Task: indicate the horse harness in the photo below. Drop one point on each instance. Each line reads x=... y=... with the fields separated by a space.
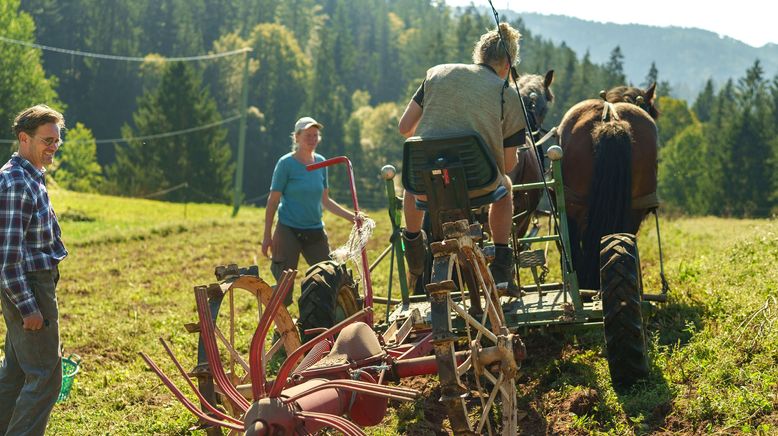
x=609 y=111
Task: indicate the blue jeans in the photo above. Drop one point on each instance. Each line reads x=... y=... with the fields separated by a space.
x=31 y=374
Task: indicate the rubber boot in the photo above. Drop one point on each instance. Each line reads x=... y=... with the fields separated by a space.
x=415 y=256
x=503 y=271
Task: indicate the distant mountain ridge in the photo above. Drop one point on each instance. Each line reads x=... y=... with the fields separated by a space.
x=685 y=57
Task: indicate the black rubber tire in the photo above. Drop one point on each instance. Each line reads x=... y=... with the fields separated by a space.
x=329 y=295
x=625 y=338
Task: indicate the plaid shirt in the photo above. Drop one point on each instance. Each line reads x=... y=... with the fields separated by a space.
x=30 y=237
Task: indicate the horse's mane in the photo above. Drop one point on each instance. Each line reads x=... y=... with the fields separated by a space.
x=636 y=96
x=529 y=83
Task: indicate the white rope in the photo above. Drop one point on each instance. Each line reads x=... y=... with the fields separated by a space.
x=147 y=137
x=125 y=58
x=357 y=240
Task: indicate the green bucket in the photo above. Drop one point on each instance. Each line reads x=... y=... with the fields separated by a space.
x=70 y=367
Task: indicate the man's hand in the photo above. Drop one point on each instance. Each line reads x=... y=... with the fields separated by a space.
x=33 y=321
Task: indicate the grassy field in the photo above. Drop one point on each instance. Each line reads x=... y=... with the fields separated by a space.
x=133 y=264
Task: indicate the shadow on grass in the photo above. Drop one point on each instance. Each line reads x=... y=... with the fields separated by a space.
x=675 y=323
x=648 y=403
x=562 y=390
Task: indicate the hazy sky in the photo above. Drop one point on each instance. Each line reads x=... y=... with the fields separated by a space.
x=746 y=20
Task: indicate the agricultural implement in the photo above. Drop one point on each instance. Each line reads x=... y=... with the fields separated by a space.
x=345 y=369
x=465 y=329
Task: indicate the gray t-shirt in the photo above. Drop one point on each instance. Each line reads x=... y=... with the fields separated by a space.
x=462 y=98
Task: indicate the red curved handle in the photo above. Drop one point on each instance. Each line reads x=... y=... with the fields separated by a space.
x=328 y=162
x=365 y=264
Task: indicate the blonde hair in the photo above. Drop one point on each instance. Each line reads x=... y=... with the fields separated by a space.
x=490 y=49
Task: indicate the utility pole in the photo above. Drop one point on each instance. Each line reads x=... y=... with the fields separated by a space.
x=244 y=95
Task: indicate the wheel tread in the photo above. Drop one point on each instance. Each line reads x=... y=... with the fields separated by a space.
x=625 y=341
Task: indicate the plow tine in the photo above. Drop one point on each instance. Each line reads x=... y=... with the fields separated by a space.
x=395 y=393
x=257 y=372
x=185 y=401
x=212 y=351
x=219 y=414
x=286 y=367
x=347 y=427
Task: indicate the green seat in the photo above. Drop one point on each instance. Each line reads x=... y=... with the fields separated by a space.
x=449 y=171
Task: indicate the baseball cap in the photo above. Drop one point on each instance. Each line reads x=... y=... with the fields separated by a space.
x=306 y=122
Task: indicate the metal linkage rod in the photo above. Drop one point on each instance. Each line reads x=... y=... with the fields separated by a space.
x=185 y=401
x=212 y=351
x=256 y=364
x=216 y=412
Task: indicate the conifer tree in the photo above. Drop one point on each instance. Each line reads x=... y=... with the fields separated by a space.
x=615 y=68
x=752 y=130
x=651 y=77
x=703 y=105
x=200 y=160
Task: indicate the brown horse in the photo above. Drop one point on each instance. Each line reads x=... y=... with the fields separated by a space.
x=609 y=171
x=536 y=92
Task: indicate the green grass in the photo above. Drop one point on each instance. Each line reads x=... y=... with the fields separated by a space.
x=133 y=264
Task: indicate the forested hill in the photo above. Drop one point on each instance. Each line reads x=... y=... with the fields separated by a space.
x=143 y=125
x=686 y=57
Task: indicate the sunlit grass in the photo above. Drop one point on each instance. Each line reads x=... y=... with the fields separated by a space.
x=133 y=265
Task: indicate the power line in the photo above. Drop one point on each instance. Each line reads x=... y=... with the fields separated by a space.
x=134 y=59
x=165 y=191
x=126 y=58
x=174 y=133
x=147 y=137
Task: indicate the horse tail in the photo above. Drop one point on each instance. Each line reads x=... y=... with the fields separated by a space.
x=610 y=194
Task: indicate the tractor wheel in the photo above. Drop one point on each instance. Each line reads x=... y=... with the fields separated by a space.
x=625 y=339
x=478 y=357
x=329 y=295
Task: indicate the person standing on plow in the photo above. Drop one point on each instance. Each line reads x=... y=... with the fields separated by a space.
x=30 y=251
x=461 y=99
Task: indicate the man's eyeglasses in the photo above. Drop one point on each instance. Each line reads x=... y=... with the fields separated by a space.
x=50 y=141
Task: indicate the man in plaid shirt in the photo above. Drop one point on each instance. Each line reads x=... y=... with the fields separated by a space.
x=30 y=250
